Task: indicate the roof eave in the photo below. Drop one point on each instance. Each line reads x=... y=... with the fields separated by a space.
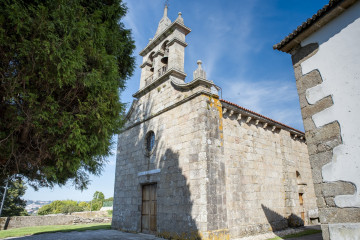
x=317 y=21
x=265 y=119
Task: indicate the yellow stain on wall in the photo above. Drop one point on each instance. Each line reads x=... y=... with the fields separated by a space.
x=180 y=236
x=215 y=103
x=222 y=234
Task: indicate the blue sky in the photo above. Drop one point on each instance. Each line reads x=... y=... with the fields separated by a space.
x=234 y=40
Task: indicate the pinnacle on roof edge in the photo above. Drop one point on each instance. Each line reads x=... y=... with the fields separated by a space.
x=199 y=72
x=179 y=18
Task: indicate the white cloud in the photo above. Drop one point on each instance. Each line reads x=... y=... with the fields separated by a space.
x=224 y=35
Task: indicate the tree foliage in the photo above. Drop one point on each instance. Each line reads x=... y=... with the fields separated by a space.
x=96 y=205
x=62 y=67
x=98 y=196
x=69 y=206
x=97 y=201
x=110 y=199
x=84 y=205
x=13 y=204
x=65 y=206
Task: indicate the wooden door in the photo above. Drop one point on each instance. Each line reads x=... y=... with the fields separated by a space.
x=303 y=216
x=148 y=210
x=301 y=200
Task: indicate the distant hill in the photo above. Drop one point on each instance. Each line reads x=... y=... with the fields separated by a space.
x=32 y=206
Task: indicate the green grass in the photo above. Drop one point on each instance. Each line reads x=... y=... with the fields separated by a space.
x=18 y=232
x=109 y=213
x=300 y=234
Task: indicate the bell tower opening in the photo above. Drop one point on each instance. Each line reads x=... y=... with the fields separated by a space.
x=165 y=49
x=151 y=60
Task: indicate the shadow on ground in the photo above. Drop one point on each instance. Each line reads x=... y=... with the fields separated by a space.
x=278 y=222
x=103 y=227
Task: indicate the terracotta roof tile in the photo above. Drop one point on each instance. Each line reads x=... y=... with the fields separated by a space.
x=309 y=22
x=262 y=116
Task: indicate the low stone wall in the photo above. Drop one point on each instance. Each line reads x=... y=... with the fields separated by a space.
x=91 y=220
x=93 y=214
x=30 y=221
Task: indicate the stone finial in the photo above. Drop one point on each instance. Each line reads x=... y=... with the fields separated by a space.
x=179 y=18
x=165 y=11
x=199 y=72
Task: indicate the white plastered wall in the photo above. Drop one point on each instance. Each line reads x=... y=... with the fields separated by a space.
x=338 y=61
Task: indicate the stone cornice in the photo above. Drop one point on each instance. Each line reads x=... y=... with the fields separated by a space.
x=157 y=40
x=177 y=40
x=159 y=80
x=160 y=52
x=144 y=64
x=192 y=84
x=131 y=109
x=202 y=92
x=248 y=115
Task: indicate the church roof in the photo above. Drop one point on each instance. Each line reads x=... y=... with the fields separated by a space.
x=331 y=10
x=293 y=130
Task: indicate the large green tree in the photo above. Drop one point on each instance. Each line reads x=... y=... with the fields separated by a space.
x=63 y=64
x=14 y=205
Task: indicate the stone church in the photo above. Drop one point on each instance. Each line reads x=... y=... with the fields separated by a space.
x=193 y=166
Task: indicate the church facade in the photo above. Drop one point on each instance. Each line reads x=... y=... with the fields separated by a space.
x=193 y=166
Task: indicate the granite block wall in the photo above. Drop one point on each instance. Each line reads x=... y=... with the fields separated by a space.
x=261 y=184
x=190 y=178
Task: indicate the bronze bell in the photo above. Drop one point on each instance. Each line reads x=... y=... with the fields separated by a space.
x=165 y=58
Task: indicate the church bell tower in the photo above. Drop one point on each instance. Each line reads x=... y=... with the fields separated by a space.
x=164 y=54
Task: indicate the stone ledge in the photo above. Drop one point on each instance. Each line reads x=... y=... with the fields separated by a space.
x=202 y=92
x=159 y=80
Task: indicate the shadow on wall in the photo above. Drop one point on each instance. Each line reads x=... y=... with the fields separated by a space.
x=174 y=206
x=174 y=201
x=278 y=222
